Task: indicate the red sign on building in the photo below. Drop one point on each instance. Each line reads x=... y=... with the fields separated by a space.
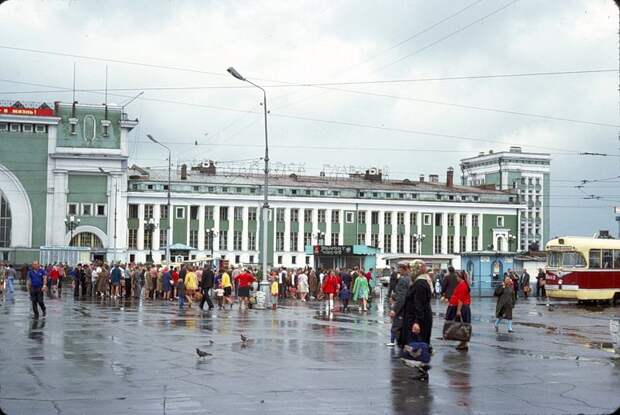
x=40 y=112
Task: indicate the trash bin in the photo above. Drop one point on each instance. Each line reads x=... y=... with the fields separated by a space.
x=614 y=329
x=260 y=300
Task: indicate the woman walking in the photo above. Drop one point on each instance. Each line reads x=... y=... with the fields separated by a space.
x=191 y=285
x=302 y=285
x=330 y=288
x=505 y=303
x=459 y=304
x=360 y=291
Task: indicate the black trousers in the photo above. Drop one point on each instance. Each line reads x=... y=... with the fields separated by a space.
x=206 y=296
x=36 y=297
x=127 y=288
x=76 y=288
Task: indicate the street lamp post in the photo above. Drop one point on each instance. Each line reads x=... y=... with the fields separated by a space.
x=150 y=227
x=211 y=234
x=264 y=283
x=169 y=227
x=115 y=211
x=419 y=238
x=71 y=222
x=511 y=239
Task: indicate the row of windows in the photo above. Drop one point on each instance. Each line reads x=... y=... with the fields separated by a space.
x=87 y=209
x=22 y=128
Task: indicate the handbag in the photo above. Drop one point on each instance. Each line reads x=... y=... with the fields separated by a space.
x=456 y=330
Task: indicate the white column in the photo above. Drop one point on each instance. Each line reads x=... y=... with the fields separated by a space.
x=468 y=223
x=328 y=226
x=56 y=226
x=368 y=233
x=188 y=220
x=244 y=231
x=394 y=231
x=407 y=234
x=201 y=228
x=457 y=233
x=156 y=216
x=382 y=231
x=480 y=232
x=287 y=229
x=141 y=227
x=231 y=228
x=315 y=226
x=341 y=229
x=216 y=228
x=444 y=233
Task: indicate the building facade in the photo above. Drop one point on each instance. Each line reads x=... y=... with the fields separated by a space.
x=65 y=184
x=528 y=174
x=62 y=177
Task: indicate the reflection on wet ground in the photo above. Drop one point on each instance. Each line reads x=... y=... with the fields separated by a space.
x=100 y=357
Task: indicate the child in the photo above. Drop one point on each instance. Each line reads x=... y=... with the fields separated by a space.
x=181 y=292
x=219 y=294
x=345 y=295
x=274 y=293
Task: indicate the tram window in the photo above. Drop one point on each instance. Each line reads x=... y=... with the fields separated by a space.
x=607 y=259
x=572 y=259
x=595 y=258
x=554 y=259
x=616 y=259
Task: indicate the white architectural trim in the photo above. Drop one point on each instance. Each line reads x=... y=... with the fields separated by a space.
x=88 y=228
x=21 y=209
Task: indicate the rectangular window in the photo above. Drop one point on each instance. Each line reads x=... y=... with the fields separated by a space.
x=163 y=238
x=427 y=219
x=133 y=211
x=252 y=214
x=224 y=213
x=413 y=244
x=148 y=212
x=387 y=218
x=335 y=216
x=280 y=215
x=361 y=217
x=374 y=240
x=307 y=260
x=400 y=243
x=279 y=259
x=307 y=239
x=294 y=259
x=500 y=221
x=15 y=128
x=148 y=241
x=132 y=238
x=163 y=211
x=474 y=221
x=208 y=240
x=595 y=259
x=251 y=256
x=463 y=220
x=238 y=213
x=294 y=215
x=4 y=127
x=179 y=213
x=307 y=215
x=361 y=239
x=349 y=217
x=413 y=220
x=437 y=244
x=223 y=240
x=450 y=244
x=374 y=217
x=237 y=240
x=387 y=243
x=252 y=241
x=73 y=209
x=335 y=239
x=451 y=219
x=209 y=213
x=463 y=244
x=193 y=213
x=294 y=242
x=438 y=219
x=279 y=241
x=87 y=209
x=224 y=189
x=193 y=238
x=27 y=128
x=321 y=214
x=474 y=243
x=100 y=210
x=607 y=259
x=400 y=218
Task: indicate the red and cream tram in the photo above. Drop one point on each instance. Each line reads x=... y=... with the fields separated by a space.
x=583 y=269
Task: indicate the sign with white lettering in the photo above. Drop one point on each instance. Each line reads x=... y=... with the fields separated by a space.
x=333 y=250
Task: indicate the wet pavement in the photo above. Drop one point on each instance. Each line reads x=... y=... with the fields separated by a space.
x=102 y=357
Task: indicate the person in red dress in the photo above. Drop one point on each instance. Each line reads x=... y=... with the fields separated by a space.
x=459 y=304
x=244 y=281
x=331 y=285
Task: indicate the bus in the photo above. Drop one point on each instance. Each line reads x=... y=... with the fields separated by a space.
x=583 y=269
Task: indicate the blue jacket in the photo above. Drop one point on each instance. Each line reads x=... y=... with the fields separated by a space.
x=36 y=277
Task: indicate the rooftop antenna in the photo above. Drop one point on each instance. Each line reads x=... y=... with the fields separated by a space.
x=73 y=82
x=106 y=92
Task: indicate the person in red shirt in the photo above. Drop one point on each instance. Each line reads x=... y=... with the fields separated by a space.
x=54 y=277
x=244 y=281
x=459 y=304
x=175 y=279
x=331 y=285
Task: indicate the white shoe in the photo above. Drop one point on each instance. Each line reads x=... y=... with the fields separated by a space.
x=390 y=344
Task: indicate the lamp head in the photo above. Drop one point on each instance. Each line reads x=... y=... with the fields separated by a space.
x=150 y=137
x=236 y=74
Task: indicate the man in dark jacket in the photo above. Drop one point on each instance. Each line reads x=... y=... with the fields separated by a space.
x=393 y=281
x=540 y=283
x=206 y=285
x=449 y=284
x=398 y=301
x=525 y=283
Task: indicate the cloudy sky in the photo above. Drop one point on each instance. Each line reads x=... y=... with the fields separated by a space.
x=177 y=52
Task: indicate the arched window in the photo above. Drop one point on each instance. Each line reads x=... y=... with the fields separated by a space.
x=87 y=239
x=500 y=243
x=5 y=222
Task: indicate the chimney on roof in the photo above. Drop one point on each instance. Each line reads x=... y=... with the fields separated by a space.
x=183 y=171
x=490 y=151
x=373 y=174
x=433 y=178
x=421 y=178
x=450 y=177
x=481 y=153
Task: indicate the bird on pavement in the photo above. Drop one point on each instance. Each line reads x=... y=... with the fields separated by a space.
x=244 y=340
x=202 y=354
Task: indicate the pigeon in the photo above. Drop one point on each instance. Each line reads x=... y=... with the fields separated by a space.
x=202 y=354
x=244 y=340
x=211 y=342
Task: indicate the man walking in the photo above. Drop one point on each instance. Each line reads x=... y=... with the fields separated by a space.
x=207 y=284
x=525 y=283
x=37 y=280
x=398 y=301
